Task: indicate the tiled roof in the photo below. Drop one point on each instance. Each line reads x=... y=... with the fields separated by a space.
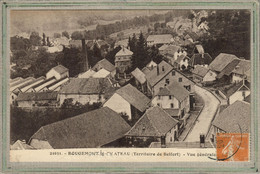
x=30 y=83
x=248 y=99
x=200 y=49
x=104 y=63
x=87 y=74
x=172 y=112
x=235 y=115
x=37 y=96
x=242 y=67
x=56 y=82
x=139 y=75
x=229 y=68
x=152 y=77
x=86 y=86
x=221 y=61
x=89 y=130
x=154 y=123
x=201 y=59
x=16 y=79
x=163 y=47
x=44 y=82
x=182 y=57
x=19 y=145
x=174 y=89
x=134 y=97
x=232 y=89
x=60 y=69
x=22 y=81
x=200 y=70
x=160 y=39
x=124 y=52
x=146 y=70
x=102 y=73
x=171 y=49
x=75 y=43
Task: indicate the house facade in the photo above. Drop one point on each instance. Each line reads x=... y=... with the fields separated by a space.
x=37 y=99
x=163 y=75
x=203 y=74
x=123 y=60
x=173 y=97
x=240 y=71
x=58 y=72
x=128 y=101
x=105 y=64
x=159 y=40
x=154 y=126
x=238 y=91
x=139 y=80
x=85 y=91
x=228 y=120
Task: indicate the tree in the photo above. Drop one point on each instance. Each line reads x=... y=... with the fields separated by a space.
x=140 y=54
x=35 y=39
x=48 y=42
x=111 y=54
x=76 y=35
x=132 y=43
x=56 y=35
x=43 y=39
x=154 y=54
x=65 y=34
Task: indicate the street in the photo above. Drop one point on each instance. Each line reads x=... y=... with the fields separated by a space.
x=203 y=122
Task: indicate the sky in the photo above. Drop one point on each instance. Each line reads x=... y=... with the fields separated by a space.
x=50 y=21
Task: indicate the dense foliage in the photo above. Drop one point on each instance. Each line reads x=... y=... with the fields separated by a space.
x=229 y=33
x=25 y=122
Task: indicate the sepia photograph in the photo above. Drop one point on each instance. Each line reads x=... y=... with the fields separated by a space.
x=140 y=81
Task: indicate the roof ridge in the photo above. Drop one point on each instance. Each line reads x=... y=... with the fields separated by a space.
x=137 y=122
x=152 y=122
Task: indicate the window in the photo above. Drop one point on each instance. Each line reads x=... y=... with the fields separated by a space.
x=172 y=105
x=187 y=87
x=162 y=68
x=173 y=73
x=158 y=104
x=244 y=94
x=180 y=79
x=170 y=97
x=171 y=139
x=159 y=97
x=167 y=81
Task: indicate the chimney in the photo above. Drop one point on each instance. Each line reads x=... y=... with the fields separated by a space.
x=158 y=70
x=84 y=51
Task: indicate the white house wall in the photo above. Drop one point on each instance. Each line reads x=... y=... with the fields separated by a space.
x=82 y=98
x=236 y=78
x=119 y=104
x=162 y=82
x=170 y=135
x=238 y=96
x=210 y=76
x=165 y=102
x=40 y=144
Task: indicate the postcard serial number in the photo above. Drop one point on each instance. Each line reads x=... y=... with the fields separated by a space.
x=55 y=153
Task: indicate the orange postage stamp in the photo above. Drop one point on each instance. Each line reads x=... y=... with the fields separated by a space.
x=232 y=146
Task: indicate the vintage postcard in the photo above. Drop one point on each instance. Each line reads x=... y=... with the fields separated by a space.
x=130 y=86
